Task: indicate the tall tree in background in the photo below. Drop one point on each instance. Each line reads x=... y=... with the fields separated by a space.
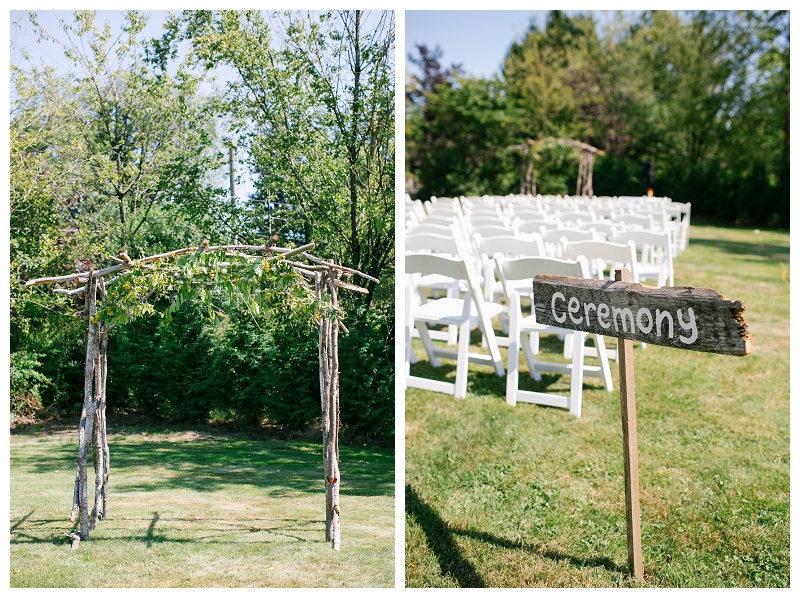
x=314 y=99
x=144 y=140
x=457 y=128
x=705 y=95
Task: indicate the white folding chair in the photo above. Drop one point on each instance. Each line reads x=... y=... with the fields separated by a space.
x=507 y=246
x=656 y=255
x=516 y=272
x=467 y=313
x=599 y=254
x=436 y=283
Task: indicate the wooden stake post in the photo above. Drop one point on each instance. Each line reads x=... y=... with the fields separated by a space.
x=681 y=317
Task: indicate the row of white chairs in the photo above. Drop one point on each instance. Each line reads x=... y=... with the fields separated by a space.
x=496 y=257
x=495 y=216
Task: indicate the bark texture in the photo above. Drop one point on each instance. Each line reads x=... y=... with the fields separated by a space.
x=92 y=427
x=329 y=390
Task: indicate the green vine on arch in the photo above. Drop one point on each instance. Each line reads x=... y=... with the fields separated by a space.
x=264 y=286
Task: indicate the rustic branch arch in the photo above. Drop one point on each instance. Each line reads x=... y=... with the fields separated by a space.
x=256 y=260
x=527 y=175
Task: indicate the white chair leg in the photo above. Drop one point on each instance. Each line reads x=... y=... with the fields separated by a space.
x=529 y=356
x=576 y=384
x=462 y=363
x=600 y=343
x=491 y=343
x=513 y=350
x=425 y=337
x=411 y=357
x=452 y=330
x=568 y=341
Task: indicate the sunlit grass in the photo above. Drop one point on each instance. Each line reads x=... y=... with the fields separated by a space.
x=531 y=496
x=202 y=512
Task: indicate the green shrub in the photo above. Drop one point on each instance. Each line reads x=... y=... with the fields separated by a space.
x=25 y=380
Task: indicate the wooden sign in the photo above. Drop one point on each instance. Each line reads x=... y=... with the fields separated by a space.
x=681 y=317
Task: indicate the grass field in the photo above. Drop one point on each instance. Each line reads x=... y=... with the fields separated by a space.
x=531 y=496
x=192 y=509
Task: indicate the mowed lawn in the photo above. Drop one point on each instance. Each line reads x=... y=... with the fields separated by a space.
x=193 y=510
x=531 y=496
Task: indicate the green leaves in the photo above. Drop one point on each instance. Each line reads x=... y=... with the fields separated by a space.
x=221 y=281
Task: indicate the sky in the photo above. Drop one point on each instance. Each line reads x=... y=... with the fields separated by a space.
x=477 y=39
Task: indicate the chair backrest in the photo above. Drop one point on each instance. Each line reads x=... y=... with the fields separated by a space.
x=604 y=229
x=553 y=235
x=531 y=225
x=431 y=229
x=605 y=251
x=508 y=245
x=486 y=221
x=645 y=221
x=648 y=243
x=645 y=237
x=418 y=242
x=457 y=268
x=519 y=272
x=492 y=231
x=435 y=263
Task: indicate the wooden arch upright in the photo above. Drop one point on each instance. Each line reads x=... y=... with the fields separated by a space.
x=527 y=176
x=326 y=277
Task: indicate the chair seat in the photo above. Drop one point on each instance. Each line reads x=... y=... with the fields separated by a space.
x=529 y=324
x=440 y=282
x=448 y=310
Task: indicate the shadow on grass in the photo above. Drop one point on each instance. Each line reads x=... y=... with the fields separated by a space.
x=48 y=531
x=22 y=520
x=150 y=536
x=441 y=540
x=209 y=465
x=743 y=249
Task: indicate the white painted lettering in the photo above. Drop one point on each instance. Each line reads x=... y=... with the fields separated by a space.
x=660 y=315
x=587 y=308
x=602 y=313
x=644 y=312
x=573 y=308
x=690 y=325
x=553 y=307
x=622 y=313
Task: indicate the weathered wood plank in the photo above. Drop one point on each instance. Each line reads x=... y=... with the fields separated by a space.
x=630 y=448
x=692 y=318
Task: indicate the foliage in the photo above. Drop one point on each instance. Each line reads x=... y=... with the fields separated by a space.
x=456 y=139
x=116 y=153
x=314 y=103
x=239 y=279
x=705 y=95
x=249 y=371
x=141 y=140
x=25 y=381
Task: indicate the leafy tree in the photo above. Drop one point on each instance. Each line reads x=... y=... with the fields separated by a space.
x=457 y=129
x=144 y=140
x=314 y=101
